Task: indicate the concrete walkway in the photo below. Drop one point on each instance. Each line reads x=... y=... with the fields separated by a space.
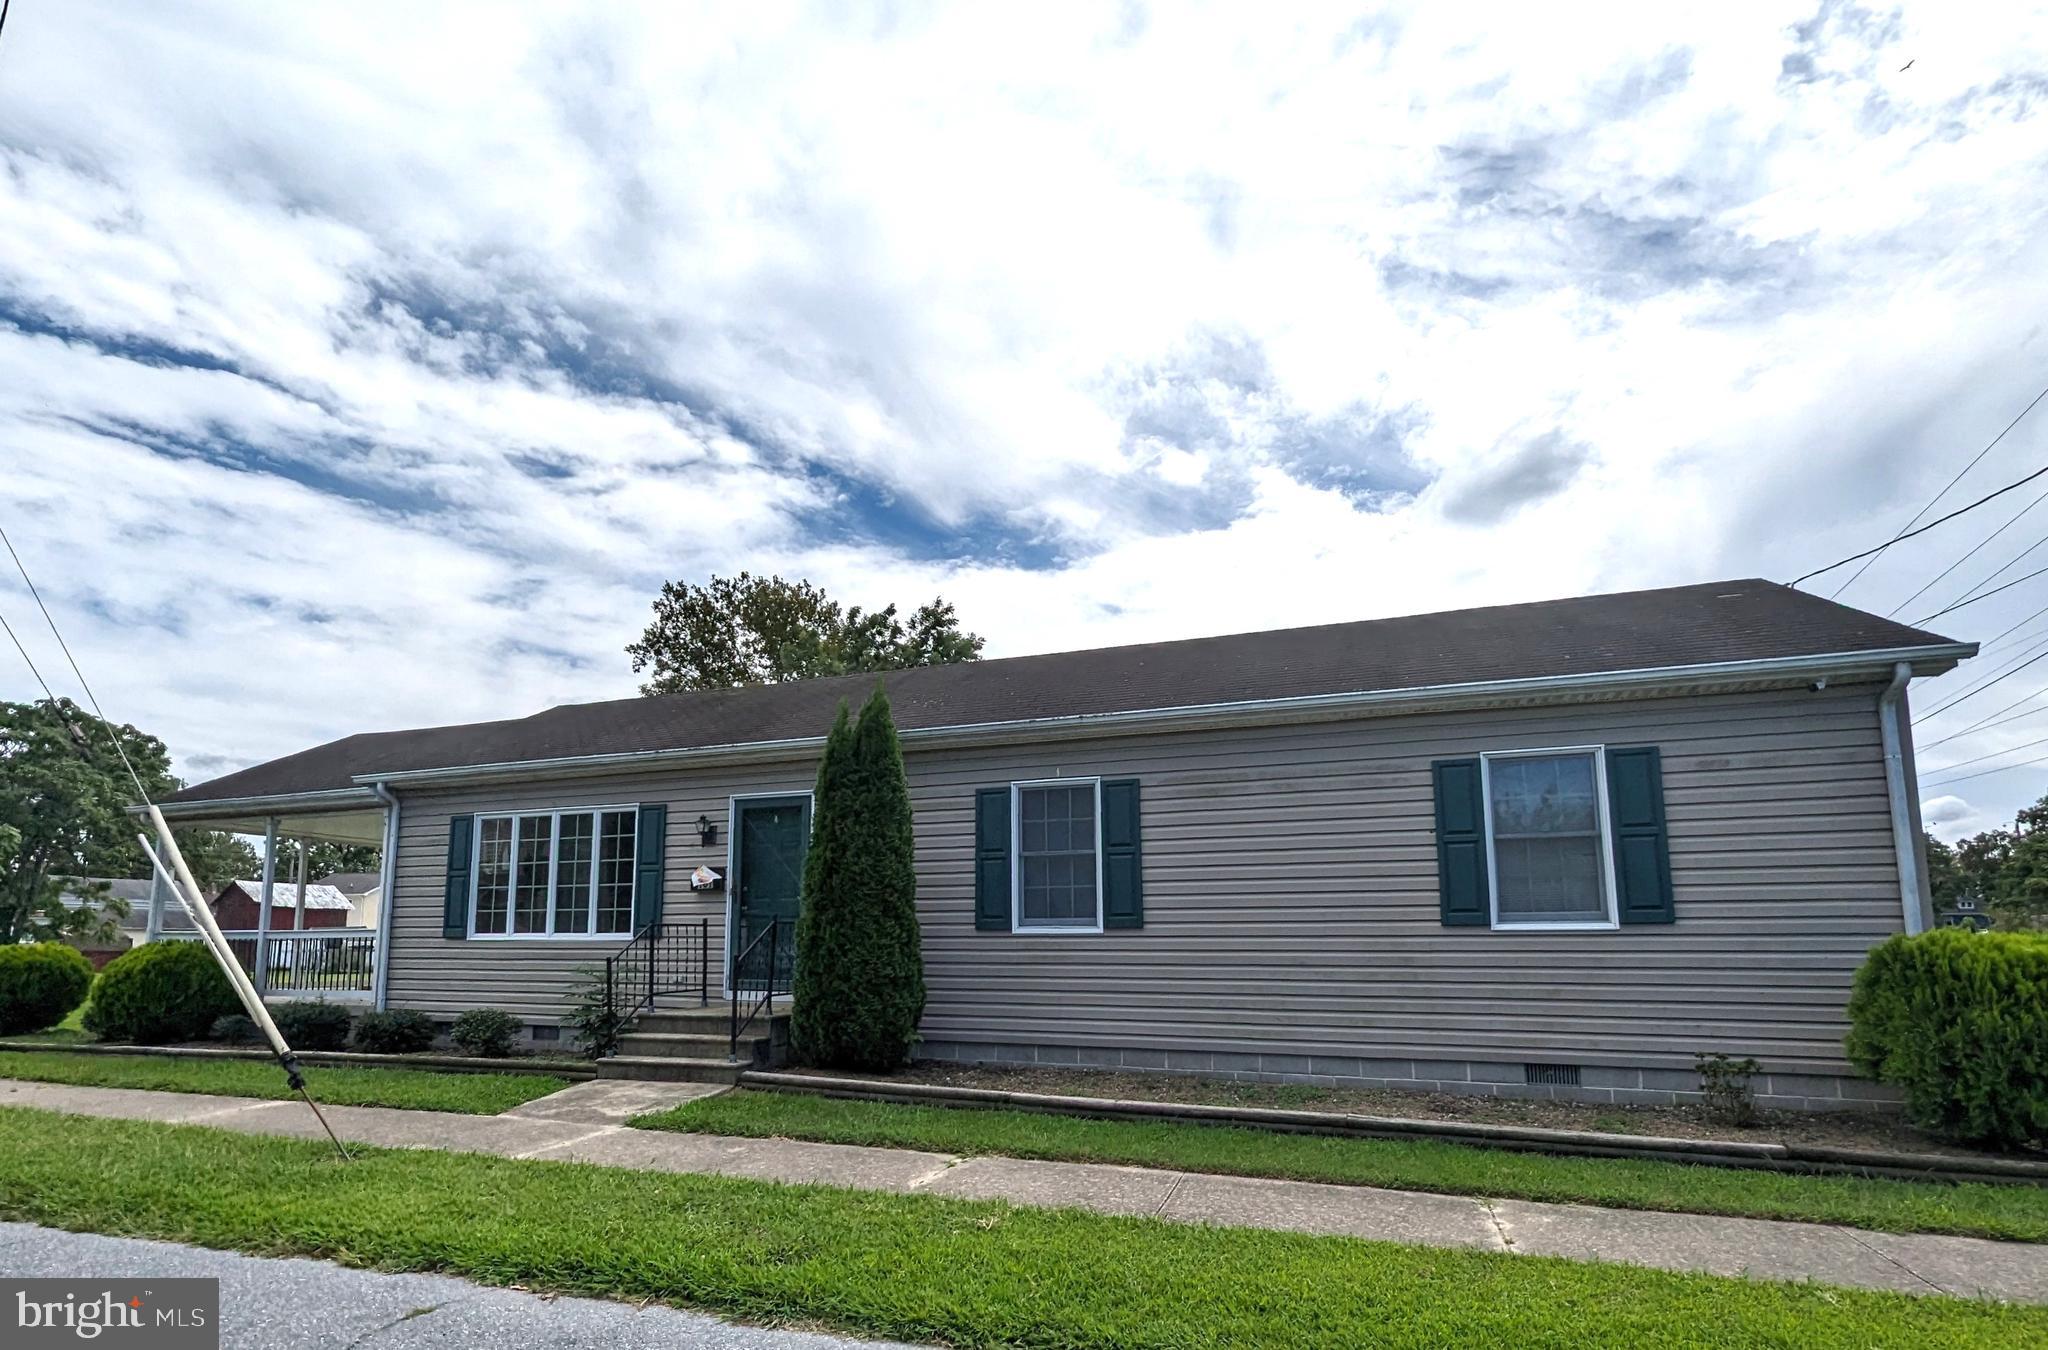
x=271 y=1303
x=584 y=1124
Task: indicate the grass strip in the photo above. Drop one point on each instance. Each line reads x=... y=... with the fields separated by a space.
x=475 y=1094
x=2017 y=1213
x=970 y=1273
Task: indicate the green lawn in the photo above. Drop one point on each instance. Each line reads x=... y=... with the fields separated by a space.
x=2016 y=1212
x=476 y=1094
x=917 y=1267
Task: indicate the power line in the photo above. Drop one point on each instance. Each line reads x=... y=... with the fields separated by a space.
x=1872 y=553
x=1985 y=773
x=65 y=647
x=2001 y=712
x=1908 y=532
x=1982 y=725
x=2009 y=631
x=2007 y=566
x=1979 y=759
x=1986 y=685
x=1985 y=596
x=1893 y=611
x=1982 y=678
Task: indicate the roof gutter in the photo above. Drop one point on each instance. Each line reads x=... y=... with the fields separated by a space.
x=329 y=799
x=1905 y=802
x=1835 y=665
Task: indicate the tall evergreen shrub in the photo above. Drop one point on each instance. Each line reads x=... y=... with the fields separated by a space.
x=859 y=989
x=1959 y=1021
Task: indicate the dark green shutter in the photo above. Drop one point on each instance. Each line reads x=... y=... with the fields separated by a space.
x=1642 y=850
x=455 y=899
x=992 y=859
x=1460 y=843
x=1123 y=892
x=650 y=855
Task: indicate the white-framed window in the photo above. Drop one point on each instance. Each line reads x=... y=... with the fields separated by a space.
x=1546 y=838
x=541 y=874
x=1056 y=856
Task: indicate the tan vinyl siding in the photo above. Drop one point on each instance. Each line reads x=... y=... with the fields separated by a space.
x=1290 y=893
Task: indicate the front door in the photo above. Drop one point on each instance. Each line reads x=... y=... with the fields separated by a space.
x=770 y=837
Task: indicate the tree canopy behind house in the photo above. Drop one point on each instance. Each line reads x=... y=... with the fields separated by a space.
x=747 y=630
x=64 y=799
x=2004 y=870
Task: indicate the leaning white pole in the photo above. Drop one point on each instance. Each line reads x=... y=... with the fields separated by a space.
x=202 y=915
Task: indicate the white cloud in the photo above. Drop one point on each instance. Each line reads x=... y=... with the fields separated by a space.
x=1113 y=326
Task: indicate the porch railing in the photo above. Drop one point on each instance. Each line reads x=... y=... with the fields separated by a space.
x=331 y=961
x=675 y=960
x=663 y=959
x=764 y=968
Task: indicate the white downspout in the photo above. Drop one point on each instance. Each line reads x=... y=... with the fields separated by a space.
x=388 y=881
x=1905 y=800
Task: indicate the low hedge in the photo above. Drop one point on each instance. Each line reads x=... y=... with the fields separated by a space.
x=484 y=1031
x=158 y=993
x=400 y=1031
x=1959 y=1021
x=311 y=1024
x=39 y=985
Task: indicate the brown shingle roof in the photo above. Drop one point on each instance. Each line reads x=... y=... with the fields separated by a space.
x=1634 y=630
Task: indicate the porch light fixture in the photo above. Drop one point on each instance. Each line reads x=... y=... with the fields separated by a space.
x=707 y=833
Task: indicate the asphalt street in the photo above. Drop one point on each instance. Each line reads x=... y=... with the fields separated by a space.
x=289 y=1304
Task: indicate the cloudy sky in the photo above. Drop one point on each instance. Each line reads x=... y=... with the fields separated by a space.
x=372 y=365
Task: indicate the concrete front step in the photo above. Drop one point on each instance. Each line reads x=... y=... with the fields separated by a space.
x=685 y=1046
x=712 y=1021
x=670 y=1068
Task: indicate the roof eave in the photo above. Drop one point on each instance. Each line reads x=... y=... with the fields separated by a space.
x=1727 y=676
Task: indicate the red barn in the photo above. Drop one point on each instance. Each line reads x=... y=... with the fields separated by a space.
x=239 y=905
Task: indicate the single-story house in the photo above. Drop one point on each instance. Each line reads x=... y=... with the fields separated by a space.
x=1552 y=848
x=132 y=922
x=364 y=892
x=239 y=907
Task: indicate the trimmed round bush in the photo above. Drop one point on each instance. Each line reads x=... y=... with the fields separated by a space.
x=234 y=1029
x=1959 y=1021
x=398 y=1032
x=309 y=1024
x=485 y=1031
x=40 y=984
x=158 y=993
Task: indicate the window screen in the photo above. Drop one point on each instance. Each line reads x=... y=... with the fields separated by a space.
x=1056 y=857
x=1549 y=861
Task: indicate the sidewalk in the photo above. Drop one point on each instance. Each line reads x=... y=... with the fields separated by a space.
x=267 y=1302
x=585 y=1123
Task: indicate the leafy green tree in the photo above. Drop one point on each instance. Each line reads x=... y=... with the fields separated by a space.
x=64 y=799
x=748 y=630
x=322 y=860
x=859 y=989
x=65 y=794
x=1944 y=877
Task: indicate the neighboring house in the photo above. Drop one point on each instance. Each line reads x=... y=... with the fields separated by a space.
x=1550 y=848
x=365 y=892
x=133 y=925
x=1964 y=912
x=239 y=906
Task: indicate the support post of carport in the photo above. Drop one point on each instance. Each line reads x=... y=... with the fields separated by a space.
x=262 y=961
x=299 y=914
x=154 y=929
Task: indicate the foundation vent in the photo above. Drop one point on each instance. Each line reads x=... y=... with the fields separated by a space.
x=1551 y=1075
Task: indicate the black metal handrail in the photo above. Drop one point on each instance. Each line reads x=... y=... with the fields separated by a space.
x=662 y=958
x=749 y=973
